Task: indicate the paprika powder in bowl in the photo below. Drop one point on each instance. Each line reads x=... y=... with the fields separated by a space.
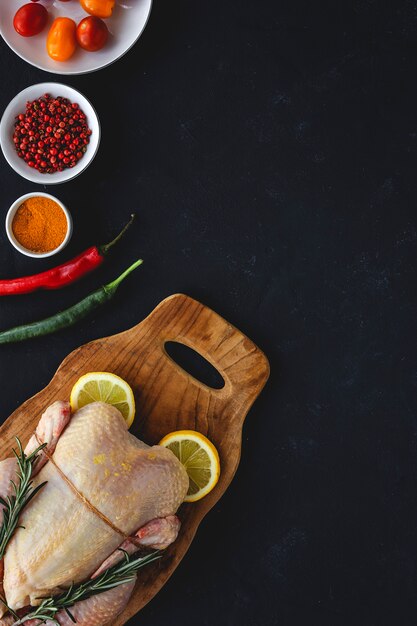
x=38 y=225
x=49 y=133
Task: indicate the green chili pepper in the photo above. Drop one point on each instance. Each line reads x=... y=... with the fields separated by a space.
x=70 y=316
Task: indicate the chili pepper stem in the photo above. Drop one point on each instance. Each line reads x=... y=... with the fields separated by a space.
x=106 y=247
x=115 y=283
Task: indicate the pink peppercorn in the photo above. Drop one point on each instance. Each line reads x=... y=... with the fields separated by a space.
x=56 y=129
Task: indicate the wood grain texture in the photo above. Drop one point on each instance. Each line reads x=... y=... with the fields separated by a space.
x=168 y=398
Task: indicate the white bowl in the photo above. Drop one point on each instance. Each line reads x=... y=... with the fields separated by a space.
x=18 y=105
x=9 y=221
x=125 y=25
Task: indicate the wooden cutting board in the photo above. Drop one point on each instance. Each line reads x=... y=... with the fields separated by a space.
x=168 y=398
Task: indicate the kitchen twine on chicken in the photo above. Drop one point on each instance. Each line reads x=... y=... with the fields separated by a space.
x=81 y=497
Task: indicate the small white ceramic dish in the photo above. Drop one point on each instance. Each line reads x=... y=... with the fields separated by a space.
x=9 y=221
x=125 y=25
x=18 y=105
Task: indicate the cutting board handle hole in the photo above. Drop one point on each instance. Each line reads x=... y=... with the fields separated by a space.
x=193 y=363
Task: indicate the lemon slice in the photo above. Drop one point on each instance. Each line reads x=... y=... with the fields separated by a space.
x=199 y=457
x=104 y=387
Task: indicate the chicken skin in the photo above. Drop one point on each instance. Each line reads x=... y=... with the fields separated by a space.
x=105 y=489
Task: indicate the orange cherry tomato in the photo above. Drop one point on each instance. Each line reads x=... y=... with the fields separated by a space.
x=92 y=33
x=61 y=41
x=99 y=8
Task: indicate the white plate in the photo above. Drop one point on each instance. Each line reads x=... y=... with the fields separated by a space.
x=126 y=25
x=18 y=105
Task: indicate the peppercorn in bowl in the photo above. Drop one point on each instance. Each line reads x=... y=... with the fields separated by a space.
x=38 y=225
x=49 y=133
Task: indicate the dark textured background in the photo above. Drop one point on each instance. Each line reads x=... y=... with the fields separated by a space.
x=269 y=149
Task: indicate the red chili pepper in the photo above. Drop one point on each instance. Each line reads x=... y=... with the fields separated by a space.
x=64 y=274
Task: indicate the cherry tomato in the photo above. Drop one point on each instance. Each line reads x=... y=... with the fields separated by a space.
x=30 y=19
x=92 y=33
x=99 y=8
x=61 y=42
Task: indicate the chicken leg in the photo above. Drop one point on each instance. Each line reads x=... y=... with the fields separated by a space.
x=98 y=610
x=48 y=430
x=158 y=533
x=8 y=470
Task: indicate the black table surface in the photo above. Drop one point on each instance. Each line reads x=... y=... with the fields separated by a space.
x=269 y=151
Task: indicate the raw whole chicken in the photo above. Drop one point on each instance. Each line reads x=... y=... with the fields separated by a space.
x=132 y=491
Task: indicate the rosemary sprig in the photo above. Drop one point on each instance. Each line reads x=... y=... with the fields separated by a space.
x=117 y=575
x=23 y=494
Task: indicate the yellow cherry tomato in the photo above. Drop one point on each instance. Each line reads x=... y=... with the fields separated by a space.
x=61 y=41
x=99 y=8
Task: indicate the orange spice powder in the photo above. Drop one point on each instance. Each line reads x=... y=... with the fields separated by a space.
x=39 y=224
